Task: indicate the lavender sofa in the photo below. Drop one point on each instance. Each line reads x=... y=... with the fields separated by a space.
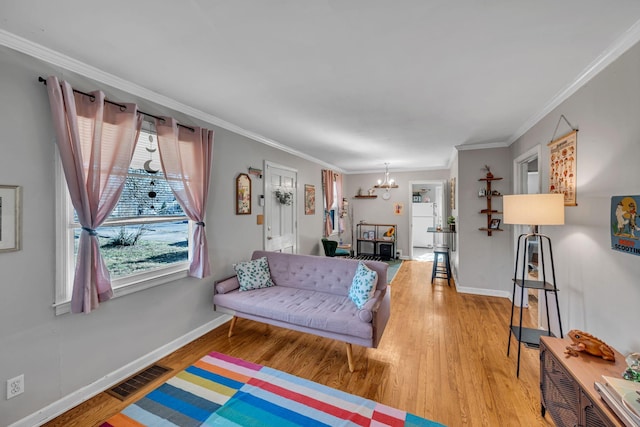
x=311 y=295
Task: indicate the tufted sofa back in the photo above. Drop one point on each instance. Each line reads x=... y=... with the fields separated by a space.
x=317 y=273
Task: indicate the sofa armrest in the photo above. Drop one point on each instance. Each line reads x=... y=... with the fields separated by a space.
x=227 y=285
x=381 y=313
x=365 y=314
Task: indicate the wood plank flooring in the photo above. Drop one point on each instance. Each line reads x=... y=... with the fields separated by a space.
x=442 y=357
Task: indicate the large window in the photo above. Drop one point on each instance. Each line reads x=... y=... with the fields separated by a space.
x=145 y=240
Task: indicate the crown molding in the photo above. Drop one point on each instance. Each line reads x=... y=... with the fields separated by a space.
x=377 y=171
x=613 y=52
x=58 y=59
x=481 y=146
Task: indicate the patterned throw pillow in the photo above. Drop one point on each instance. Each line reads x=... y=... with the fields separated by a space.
x=363 y=285
x=253 y=274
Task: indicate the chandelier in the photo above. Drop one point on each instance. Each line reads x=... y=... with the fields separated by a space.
x=388 y=182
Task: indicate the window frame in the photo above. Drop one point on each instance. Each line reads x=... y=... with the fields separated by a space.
x=65 y=257
x=334 y=211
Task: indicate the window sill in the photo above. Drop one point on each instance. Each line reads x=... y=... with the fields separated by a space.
x=136 y=284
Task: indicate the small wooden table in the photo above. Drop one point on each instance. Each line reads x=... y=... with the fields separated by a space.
x=448 y=236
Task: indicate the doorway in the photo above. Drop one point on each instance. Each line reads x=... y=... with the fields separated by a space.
x=427 y=211
x=527 y=180
x=280 y=219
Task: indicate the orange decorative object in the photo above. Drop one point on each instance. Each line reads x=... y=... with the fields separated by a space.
x=583 y=341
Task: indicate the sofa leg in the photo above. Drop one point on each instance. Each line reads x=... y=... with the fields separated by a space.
x=233 y=323
x=350 y=357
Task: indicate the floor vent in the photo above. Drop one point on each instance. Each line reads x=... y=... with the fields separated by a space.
x=132 y=385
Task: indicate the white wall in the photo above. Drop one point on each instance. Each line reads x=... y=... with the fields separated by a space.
x=600 y=291
x=61 y=354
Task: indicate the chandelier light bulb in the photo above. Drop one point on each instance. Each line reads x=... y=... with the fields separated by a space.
x=387 y=182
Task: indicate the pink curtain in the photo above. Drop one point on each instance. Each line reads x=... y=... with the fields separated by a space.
x=186 y=157
x=327 y=182
x=339 y=196
x=96 y=142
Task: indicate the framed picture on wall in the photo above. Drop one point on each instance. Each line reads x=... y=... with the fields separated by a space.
x=10 y=218
x=452 y=193
x=243 y=194
x=495 y=224
x=309 y=199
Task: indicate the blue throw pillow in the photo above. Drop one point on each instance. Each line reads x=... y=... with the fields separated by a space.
x=253 y=274
x=363 y=285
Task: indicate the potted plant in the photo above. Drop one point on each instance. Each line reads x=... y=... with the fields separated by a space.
x=451 y=220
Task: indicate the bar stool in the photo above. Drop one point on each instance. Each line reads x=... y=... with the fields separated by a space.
x=441 y=271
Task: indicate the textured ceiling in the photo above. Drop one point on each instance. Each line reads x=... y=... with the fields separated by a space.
x=352 y=83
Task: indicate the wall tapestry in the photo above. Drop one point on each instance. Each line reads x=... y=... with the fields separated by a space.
x=309 y=199
x=625 y=232
x=562 y=167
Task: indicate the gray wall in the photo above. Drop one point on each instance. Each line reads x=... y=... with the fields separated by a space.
x=484 y=262
x=60 y=354
x=600 y=292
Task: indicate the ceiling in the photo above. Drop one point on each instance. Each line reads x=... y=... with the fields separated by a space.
x=350 y=83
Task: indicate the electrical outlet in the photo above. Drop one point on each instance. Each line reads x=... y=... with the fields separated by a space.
x=15 y=386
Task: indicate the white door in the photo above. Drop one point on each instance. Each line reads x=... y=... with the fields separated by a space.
x=280 y=219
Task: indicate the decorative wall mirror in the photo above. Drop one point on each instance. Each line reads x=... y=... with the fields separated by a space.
x=243 y=194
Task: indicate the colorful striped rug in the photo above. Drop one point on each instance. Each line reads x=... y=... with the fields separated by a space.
x=220 y=390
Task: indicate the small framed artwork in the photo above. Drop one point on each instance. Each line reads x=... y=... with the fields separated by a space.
x=243 y=194
x=309 y=199
x=495 y=224
x=453 y=193
x=398 y=208
x=417 y=198
x=624 y=224
x=10 y=212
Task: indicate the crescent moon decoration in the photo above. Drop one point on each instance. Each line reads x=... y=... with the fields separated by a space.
x=150 y=147
x=147 y=167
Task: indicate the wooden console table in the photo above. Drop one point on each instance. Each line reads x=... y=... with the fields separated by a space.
x=566 y=385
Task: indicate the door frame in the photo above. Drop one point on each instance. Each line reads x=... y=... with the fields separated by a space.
x=445 y=209
x=265 y=183
x=520 y=169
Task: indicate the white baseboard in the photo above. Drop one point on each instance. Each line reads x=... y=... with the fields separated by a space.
x=85 y=393
x=485 y=292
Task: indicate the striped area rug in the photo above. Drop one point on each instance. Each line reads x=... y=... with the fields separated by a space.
x=220 y=390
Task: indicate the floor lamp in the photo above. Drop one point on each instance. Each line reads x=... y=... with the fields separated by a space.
x=533 y=210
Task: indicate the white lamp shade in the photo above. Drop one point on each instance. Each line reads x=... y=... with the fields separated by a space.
x=533 y=209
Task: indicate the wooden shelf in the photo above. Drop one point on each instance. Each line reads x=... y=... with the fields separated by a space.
x=489 y=211
x=365 y=197
x=383 y=246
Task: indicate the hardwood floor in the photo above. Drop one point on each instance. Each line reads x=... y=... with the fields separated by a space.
x=442 y=357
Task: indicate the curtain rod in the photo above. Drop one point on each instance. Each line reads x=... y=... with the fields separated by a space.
x=44 y=81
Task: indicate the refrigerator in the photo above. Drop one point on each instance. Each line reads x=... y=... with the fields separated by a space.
x=423 y=217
